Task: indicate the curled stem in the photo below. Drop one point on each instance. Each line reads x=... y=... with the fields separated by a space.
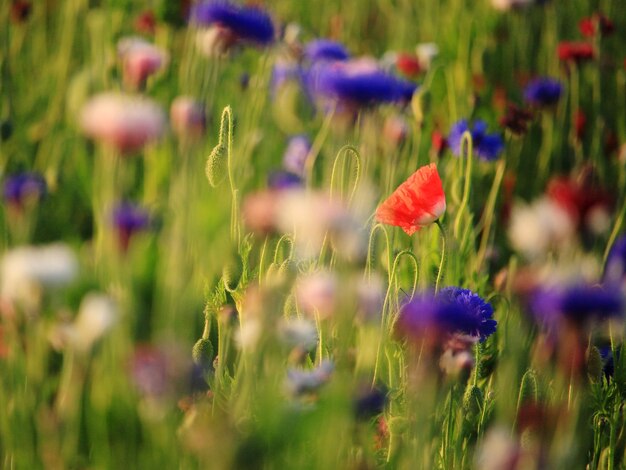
x=386 y=323
x=368 y=261
x=343 y=152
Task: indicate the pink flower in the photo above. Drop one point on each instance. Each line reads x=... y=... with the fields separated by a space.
x=188 y=117
x=140 y=59
x=123 y=122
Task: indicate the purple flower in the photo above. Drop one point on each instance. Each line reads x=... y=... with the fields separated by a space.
x=471 y=314
x=543 y=92
x=370 y=402
x=247 y=23
x=296 y=154
x=452 y=310
x=325 y=50
x=129 y=219
x=486 y=146
x=17 y=188
x=615 y=268
x=608 y=363
x=283 y=180
x=283 y=72
x=577 y=303
x=358 y=82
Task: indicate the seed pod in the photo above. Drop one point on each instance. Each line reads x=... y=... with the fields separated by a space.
x=594 y=364
x=528 y=388
x=202 y=353
x=473 y=402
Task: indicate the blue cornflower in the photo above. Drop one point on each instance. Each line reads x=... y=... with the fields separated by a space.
x=325 y=49
x=358 y=83
x=370 y=403
x=576 y=303
x=452 y=310
x=22 y=186
x=615 y=267
x=543 y=92
x=471 y=314
x=486 y=146
x=284 y=180
x=608 y=363
x=296 y=153
x=130 y=218
x=247 y=23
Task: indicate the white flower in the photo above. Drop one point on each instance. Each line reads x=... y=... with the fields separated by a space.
x=26 y=270
x=498 y=451
x=537 y=228
x=426 y=52
x=316 y=293
x=306 y=381
x=315 y=217
x=505 y=5
x=96 y=315
x=248 y=335
x=598 y=220
x=388 y=61
x=308 y=216
x=292 y=34
x=298 y=333
x=214 y=41
x=454 y=362
x=124 y=122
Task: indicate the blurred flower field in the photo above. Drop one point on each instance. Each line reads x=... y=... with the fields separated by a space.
x=313 y=234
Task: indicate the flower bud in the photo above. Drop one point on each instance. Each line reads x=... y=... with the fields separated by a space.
x=203 y=354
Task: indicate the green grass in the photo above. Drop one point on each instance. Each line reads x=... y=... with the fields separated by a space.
x=65 y=408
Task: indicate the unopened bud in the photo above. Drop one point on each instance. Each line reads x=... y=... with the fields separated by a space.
x=203 y=353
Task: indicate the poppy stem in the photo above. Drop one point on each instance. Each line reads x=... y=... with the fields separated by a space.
x=616 y=229
x=443 y=254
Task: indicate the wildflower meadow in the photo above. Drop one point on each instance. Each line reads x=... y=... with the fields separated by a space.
x=330 y=234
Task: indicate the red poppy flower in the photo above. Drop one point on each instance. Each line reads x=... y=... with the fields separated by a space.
x=408 y=65
x=579 y=196
x=417 y=202
x=145 y=23
x=516 y=119
x=589 y=26
x=575 y=51
x=20 y=11
x=580 y=124
x=438 y=142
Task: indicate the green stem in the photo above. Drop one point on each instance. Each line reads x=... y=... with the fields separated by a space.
x=386 y=325
x=616 y=228
x=207 y=324
x=443 y=254
x=343 y=152
x=316 y=147
x=489 y=213
x=613 y=438
x=467 y=140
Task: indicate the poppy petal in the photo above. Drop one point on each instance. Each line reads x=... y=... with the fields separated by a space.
x=417 y=202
